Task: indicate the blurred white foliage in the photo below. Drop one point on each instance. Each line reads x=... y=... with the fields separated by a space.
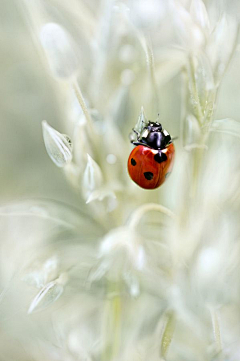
x=130 y=279
x=226 y=126
x=192 y=39
x=200 y=16
x=221 y=44
x=39 y=277
x=123 y=247
x=60 y=51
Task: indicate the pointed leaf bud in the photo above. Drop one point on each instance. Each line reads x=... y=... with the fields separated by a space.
x=189 y=32
x=142 y=121
x=47 y=295
x=221 y=45
x=58 y=146
x=199 y=15
x=92 y=177
x=226 y=126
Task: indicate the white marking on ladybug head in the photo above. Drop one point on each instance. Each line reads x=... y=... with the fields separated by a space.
x=145 y=133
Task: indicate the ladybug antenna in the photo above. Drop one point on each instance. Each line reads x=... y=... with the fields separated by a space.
x=157 y=121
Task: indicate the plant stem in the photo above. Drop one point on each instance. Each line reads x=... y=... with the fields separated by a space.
x=194 y=92
x=90 y=129
x=82 y=103
x=216 y=330
x=150 y=62
x=112 y=323
x=139 y=213
x=167 y=334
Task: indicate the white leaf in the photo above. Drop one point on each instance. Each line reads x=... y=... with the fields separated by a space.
x=132 y=283
x=100 y=194
x=199 y=15
x=39 y=275
x=205 y=73
x=72 y=172
x=34 y=278
x=48 y=294
x=221 y=44
x=171 y=62
x=142 y=121
x=58 y=146
x=49 y=211
x=123 y=245
x=192 y=130
x=189 y=33
x=92 y=177
x=227 y=126
x=60 y=50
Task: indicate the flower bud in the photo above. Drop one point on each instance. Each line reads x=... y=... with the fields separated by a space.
x=47 y=295
x=58 y=146
x=92 y=177
x=142 y=121
x=199 y=15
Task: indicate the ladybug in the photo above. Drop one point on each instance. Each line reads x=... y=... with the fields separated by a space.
x=151 y=161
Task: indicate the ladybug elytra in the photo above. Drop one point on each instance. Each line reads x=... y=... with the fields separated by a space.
x=151 y=161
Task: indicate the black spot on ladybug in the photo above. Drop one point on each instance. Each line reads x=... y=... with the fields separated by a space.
x=148 y=175
x=167 y=174
x=133 y=162
x=160 y=157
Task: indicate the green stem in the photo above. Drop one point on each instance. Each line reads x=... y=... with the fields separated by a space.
x=167 y=334
x=197 y=159
x=194 y=92
x=184 y=100
x=112 y=323
x=216 y=331
x=82 y=103
x=90 y=129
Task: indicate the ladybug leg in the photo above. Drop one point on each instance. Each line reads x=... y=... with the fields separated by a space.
x=140 y=143
x=160 y=156
x=136 y=132
x=132 y=136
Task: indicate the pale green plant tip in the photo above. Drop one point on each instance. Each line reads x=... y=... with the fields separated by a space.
x=47 y=295
x=92 y=176
x=58 y=146
x=168 y=331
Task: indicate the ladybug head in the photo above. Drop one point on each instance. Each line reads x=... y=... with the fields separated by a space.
x=154 y=127
x=155 y=136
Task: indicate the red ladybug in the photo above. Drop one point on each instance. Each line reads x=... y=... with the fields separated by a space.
x=151 y=161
